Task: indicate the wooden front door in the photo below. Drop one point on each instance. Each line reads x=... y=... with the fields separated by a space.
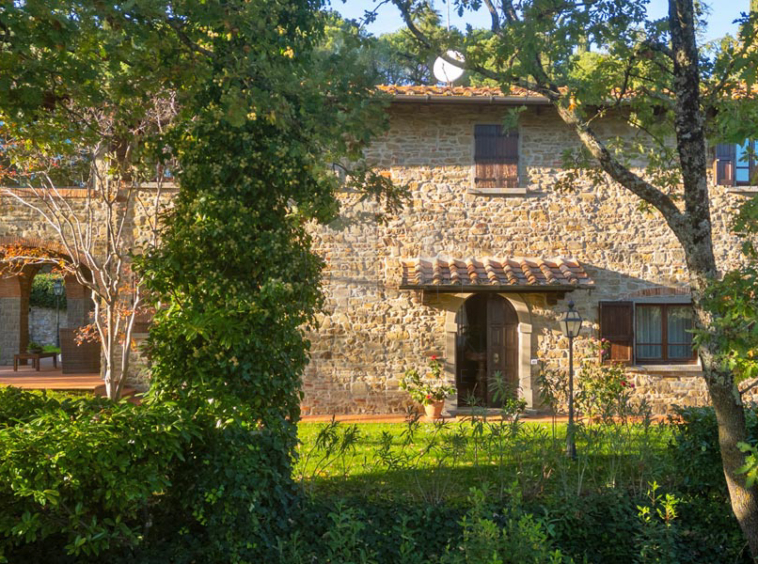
x=502 y=350
x=487 y=356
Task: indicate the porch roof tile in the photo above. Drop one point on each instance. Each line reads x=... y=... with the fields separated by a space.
x=492 y=273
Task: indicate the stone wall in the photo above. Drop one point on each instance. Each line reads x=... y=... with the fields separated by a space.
x=42 y=324
x=371 y=331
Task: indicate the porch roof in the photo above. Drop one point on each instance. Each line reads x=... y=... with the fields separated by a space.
x=509 y=274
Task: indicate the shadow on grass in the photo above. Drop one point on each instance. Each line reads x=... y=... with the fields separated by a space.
x=533 y=477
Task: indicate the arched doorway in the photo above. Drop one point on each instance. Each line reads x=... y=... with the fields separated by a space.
x=487 y=346
x=15 y=292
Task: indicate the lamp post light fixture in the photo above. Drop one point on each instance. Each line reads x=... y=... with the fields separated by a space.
x=58 y=291
x=571 y=324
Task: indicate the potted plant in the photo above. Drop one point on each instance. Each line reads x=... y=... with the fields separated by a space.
x=430 y=391
x=33 y=347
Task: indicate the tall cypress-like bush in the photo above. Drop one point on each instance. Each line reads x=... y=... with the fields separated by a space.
x=251 y=110
x=235 y=280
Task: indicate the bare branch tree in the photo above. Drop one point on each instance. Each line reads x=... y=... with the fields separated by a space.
x=97 y=226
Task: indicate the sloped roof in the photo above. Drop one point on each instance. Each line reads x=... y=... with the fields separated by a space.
x=461 y=94
x=506 y=274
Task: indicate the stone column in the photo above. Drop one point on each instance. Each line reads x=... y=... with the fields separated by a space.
x=10 y=319
x=14 y=314
x=452 y=303
x=78 y=301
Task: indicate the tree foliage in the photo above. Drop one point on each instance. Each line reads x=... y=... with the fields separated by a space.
x=84 y=103
x=267 y=126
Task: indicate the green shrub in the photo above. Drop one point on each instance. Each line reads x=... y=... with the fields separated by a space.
x=511 y=537
x=21 y=406
x=353 y=531
x=231 y=498
x=78 y=476
x=42 y=294
x=599 y=528
x=696 y=451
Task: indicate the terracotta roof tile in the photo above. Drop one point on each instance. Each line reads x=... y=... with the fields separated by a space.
x=489 y=271
x=438 y=92
x=456 y=91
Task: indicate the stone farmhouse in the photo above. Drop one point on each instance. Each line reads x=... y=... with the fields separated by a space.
x=479 y=265
x=487 y=254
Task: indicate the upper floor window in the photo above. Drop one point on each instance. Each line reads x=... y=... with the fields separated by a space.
x=496 y=157
x=737 y=164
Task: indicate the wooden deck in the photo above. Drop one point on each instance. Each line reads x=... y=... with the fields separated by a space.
x=48 y=378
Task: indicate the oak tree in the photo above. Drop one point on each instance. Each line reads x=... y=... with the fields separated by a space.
x=590 y=59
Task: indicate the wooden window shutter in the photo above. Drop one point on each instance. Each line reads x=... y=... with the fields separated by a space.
x=496 y=157
x=726 y=155
x=616 y=327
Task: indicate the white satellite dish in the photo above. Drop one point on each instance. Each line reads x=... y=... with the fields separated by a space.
x=447 y=72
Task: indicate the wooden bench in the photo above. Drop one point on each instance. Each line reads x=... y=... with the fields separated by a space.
x=35 y=358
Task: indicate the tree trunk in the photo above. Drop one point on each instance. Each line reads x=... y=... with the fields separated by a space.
x=730 y=412
x=732 y=430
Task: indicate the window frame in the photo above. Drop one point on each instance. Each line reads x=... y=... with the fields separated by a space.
x=726 y=165
x=626 y=339
x=516 y=189
x=751 y=165
x=664 y=344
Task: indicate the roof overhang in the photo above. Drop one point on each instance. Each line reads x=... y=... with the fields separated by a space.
x=440 y=274
x=499 y=289
x=470 y=100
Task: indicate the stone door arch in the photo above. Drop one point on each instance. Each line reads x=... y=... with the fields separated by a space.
x=452 y=304
x=486 y=351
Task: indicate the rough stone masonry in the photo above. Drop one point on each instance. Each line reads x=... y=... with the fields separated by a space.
x=372 y=331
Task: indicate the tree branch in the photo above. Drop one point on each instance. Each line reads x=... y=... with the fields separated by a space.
x=495 y=26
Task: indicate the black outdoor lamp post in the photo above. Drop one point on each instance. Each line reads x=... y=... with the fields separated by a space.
x=58 y=291
x=571 y=324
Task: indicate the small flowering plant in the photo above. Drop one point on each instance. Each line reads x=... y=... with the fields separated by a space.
x=599 y=348
x=429 y=389
x=605 y=349
x=604 y=390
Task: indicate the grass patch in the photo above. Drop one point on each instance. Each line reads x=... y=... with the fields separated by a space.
x=436 y=463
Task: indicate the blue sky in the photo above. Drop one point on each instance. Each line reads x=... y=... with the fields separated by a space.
x=723 y=13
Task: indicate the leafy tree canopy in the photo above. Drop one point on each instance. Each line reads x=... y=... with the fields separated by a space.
x=263 y=117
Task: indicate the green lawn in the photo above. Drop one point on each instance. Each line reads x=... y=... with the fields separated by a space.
x=430 y=462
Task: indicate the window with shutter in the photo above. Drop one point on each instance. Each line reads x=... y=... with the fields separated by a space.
x=495 y=157
x=616 y=328
x=724 y=164
x=663 y=333
x=736 y=164
x=647 y=333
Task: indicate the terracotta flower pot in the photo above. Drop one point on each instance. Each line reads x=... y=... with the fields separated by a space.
x=434 y=410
